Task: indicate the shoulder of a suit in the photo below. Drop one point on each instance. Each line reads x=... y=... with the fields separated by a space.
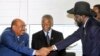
x=39 y=32
x=55 y=31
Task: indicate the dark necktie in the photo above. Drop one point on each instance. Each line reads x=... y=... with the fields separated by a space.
x=84 y=31
x=47 y=36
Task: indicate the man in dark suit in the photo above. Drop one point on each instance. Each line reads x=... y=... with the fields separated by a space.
x=88 y=31
x=14 y=41
x=40 y=39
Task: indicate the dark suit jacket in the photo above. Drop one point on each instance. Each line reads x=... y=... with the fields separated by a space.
x=89 y=38
x=39 y=41
x=11 y=46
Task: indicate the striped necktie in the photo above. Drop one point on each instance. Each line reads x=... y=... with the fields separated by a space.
x=47 y=36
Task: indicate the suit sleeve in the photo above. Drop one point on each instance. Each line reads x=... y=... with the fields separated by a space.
x=62 y=52
x=69 y=40
x=26 y=37
x=34 y=44
x=8 y=41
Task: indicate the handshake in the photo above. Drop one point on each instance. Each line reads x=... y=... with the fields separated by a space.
x=43 y=51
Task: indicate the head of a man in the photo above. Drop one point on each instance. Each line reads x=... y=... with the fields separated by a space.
x=18 y=26
x=47 y=22
x=81 y=12
x=96 y=8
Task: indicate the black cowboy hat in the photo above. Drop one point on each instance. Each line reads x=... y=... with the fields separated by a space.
x=81 y=8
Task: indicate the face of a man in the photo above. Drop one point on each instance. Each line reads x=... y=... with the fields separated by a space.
x=96 y=9
x=78 y=20
x=46 y=24
x=20 y=28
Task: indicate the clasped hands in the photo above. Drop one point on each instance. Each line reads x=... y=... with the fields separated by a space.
x=43 y=51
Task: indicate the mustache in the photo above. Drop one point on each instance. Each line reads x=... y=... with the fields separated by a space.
x=79 y=24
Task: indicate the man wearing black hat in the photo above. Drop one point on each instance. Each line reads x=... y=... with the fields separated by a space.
x=88 y=31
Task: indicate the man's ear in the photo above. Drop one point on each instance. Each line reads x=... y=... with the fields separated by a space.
x=52 y=24
x=83 y=16
x=14 y=27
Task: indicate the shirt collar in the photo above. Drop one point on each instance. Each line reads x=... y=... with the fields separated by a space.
x=48 y=33
x=85 y=23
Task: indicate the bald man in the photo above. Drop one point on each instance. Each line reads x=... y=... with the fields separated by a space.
x=14 y=41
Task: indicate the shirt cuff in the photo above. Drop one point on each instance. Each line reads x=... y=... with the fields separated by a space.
x=34 y=52
x=54 y=47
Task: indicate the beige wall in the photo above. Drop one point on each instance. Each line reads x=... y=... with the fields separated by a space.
x=31 y=11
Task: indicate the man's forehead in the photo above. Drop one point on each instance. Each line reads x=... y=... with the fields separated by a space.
x=20 y=23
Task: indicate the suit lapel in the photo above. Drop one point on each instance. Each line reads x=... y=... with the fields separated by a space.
x=44 y=37
x=42 y=34
x=52 y=37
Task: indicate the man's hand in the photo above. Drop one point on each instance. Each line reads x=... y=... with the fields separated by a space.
x=50 y=48
x=43 y=51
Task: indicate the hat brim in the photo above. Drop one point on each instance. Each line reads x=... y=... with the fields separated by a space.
x=71 y=11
